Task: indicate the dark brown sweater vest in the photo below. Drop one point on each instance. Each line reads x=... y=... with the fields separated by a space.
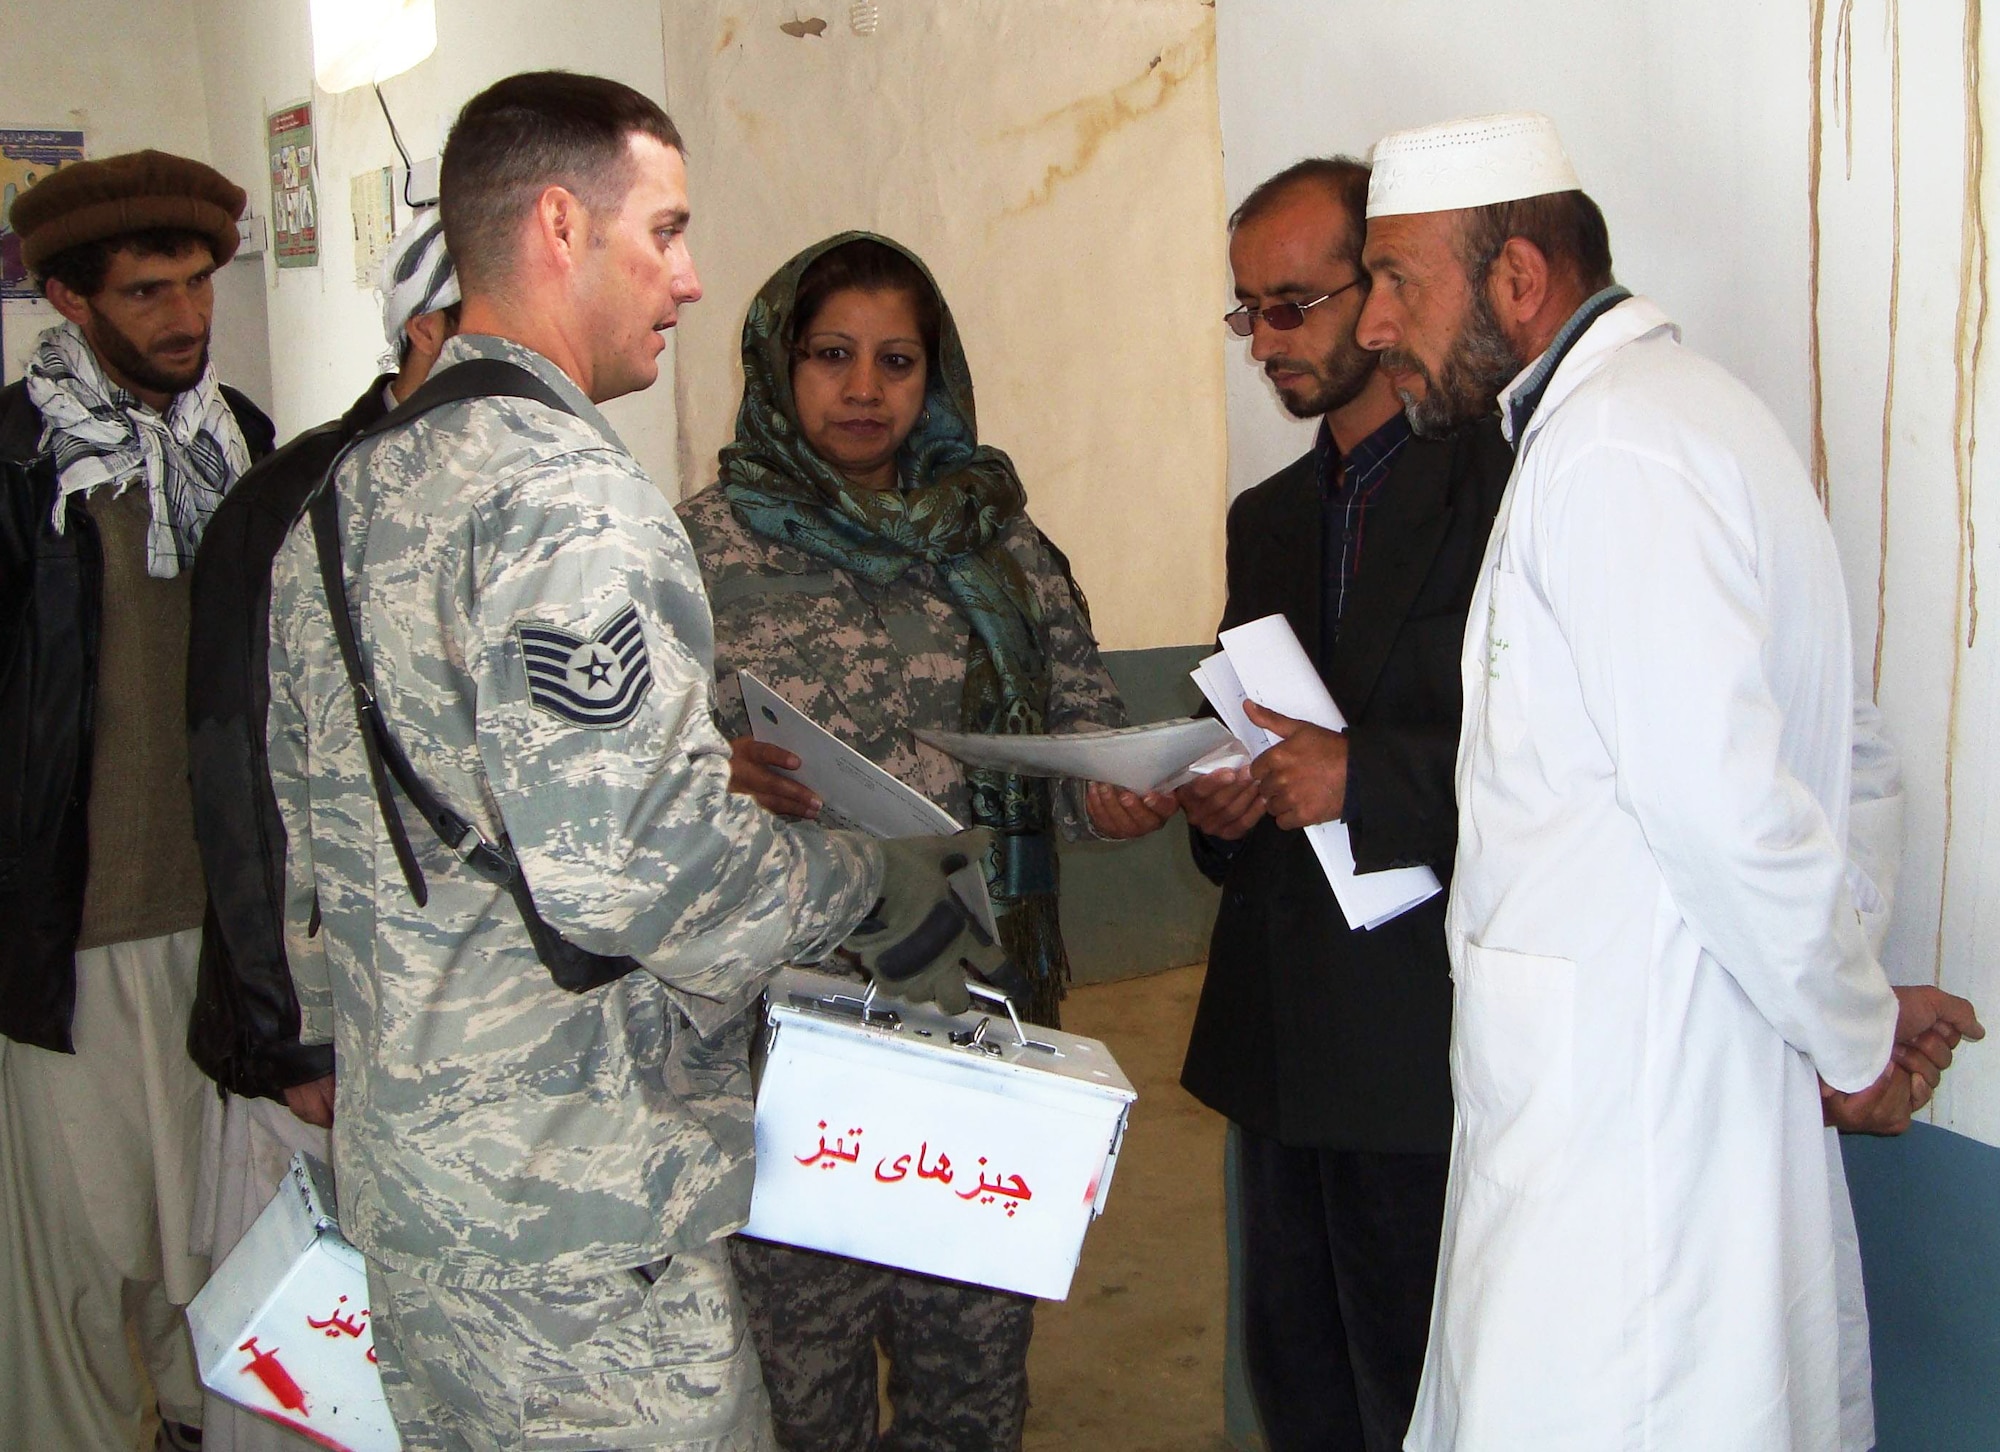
x=145 y=875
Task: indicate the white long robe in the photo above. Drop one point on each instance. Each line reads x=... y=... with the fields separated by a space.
x=1654 y=939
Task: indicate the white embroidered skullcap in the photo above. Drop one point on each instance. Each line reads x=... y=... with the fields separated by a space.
x=417 y=275
x=1473 y=162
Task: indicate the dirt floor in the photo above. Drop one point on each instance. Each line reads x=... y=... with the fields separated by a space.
x=1132 y=1361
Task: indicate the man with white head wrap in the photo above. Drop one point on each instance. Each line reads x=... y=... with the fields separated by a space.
x=244 y=1031
x=1664 y=980
x=419 y=299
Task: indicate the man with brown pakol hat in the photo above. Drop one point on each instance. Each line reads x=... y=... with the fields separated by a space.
x=1663 y=973
x=114 y=451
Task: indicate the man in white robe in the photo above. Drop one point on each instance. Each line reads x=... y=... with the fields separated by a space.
x=1663 y=984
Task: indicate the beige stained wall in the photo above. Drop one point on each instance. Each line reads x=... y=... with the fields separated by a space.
x=1908 y=97
x=1058 y=165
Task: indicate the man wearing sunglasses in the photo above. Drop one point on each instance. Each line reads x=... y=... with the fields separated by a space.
x=1323 y=1044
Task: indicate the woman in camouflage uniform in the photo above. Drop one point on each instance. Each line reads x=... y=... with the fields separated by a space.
x=874 y=564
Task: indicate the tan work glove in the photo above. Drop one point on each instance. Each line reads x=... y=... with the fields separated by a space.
x=919 y=941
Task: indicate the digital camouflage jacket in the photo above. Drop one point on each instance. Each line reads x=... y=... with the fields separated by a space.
x=869 y=664
x=534 y=622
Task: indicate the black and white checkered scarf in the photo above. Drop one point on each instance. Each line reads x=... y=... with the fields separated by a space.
x=101 y=435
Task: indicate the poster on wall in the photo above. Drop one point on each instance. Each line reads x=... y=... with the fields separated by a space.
x=27 y=154
x=373 y=194
x=294 y=200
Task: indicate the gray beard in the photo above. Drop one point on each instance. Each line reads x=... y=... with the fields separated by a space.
x=1467 y=386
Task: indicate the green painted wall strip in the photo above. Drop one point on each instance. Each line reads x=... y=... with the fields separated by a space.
x=1136 y=907
x=1925 y=1205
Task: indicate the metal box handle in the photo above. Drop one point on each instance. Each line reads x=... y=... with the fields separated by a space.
x=994 y=995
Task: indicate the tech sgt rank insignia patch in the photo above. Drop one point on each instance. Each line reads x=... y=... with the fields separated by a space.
x=597 y=681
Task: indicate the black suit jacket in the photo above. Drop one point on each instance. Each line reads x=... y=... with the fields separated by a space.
x=1310 y=1032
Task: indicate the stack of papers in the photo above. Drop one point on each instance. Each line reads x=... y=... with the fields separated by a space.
x=1264 y=662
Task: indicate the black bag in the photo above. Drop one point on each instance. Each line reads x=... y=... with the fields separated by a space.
x=243 y=1031
x=572 y=967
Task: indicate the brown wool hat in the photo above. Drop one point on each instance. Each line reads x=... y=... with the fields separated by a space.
x=88 y=201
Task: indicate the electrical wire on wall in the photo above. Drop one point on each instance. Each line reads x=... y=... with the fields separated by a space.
x=402 y=151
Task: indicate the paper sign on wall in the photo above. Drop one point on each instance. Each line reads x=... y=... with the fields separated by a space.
x=27 y=154
x=373 y=194
x=294 y=198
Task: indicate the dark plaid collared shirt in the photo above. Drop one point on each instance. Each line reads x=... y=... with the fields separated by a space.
x=1347 y=487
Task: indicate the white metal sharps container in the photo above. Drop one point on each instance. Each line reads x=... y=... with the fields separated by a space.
x=964 y=1147
x=283 y=1328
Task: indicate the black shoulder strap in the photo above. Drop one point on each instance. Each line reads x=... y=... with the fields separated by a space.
x=474 y=378
x=260 y=435
x=496 y=863
x=376 y=739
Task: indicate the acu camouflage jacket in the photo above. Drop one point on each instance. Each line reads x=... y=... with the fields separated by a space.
x=869 y=664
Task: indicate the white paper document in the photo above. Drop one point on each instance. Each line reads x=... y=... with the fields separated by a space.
x=1264 y=662
x=1139 y=758
x=853 y=790
x=856 y=791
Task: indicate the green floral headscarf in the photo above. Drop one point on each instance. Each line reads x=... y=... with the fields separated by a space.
x=954 y=499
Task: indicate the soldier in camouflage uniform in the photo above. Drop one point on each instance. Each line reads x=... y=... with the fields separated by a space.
x=872 y=642
x=539 y=1178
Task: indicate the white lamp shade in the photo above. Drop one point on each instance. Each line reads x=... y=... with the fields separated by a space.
x=364 y=42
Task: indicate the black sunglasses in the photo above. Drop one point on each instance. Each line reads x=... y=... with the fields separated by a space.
x=1281 y=317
